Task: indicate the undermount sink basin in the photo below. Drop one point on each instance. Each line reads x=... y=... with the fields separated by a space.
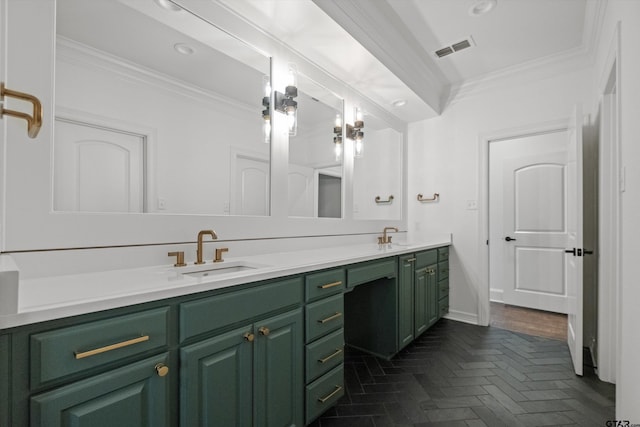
x=225 y=267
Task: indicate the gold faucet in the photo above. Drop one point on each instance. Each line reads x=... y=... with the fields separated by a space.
x=201 y=234
x=384 y=239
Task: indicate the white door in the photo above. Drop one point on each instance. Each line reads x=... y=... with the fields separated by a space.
x=534 y=233
x=97 y=169
x=574 y=244
x=301 y=191
x=250 y=186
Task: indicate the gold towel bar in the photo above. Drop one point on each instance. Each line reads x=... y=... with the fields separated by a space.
x=84 y=354
x=34 y=122
x=389 y=200
x=435 y=197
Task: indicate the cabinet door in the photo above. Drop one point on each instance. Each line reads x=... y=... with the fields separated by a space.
x=216 y=381
x=432 y=295
x=405 y=301
x=420 y=300
x=132 y=396
x=4 y=380
x=279 y=371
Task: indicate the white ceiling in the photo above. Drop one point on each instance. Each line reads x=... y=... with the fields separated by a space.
x=385 y=48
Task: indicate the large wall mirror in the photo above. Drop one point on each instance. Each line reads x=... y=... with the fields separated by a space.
x=315 y=160
x=157 y=111
x=377 y=171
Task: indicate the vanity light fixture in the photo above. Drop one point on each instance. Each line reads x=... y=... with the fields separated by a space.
x=285 y=103
x=337 y=139
x=355 y=133
x=266 y=113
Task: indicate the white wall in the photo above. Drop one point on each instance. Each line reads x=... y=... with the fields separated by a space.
x=627 y=14
x=444 y=158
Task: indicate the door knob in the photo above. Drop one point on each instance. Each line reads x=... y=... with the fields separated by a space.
x=508 y=239
x=571 y=251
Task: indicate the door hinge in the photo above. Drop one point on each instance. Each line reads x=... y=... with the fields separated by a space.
x=487 y=242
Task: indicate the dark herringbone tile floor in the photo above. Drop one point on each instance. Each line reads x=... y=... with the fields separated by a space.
x=457 y=374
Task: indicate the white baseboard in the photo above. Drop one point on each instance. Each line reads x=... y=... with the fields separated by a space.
x=461 y=316
x=496 y=295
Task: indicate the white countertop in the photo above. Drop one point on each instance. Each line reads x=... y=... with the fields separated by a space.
x=56 y=297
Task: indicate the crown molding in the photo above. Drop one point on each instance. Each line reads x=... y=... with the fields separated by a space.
x=567 y=61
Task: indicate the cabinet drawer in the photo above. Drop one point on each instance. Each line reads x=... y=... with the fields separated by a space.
x=443 y=306
x=324 y=354
x=134 y=394
x=323 y=393
x=66 y=351
x=443 y=254
x=443 y=289
x=324 y=316
x=426 y=258
x=320 y=285
x=443 y=270
x=369 y=271
x=208 y=314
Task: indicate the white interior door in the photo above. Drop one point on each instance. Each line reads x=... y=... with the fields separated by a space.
x=301 y=190
x=97 y=169
x=534 y=234
x=249 y=186
x=574 y=241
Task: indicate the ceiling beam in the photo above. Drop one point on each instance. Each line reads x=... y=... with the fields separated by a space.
x=379 y=29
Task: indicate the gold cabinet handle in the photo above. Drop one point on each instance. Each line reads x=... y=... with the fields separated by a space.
x=331 y=356
x=433 y=199
x=264 y=331
x=410 y=260
x=330 y=285
x=249 y=337
x=330 y=318
x=34 y=122
x=330 y=395
x=82 y=355
x=161 y=369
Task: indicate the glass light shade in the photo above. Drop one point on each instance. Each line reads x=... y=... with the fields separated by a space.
x=358 y=148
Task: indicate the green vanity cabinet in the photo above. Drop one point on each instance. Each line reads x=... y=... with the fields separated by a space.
x=417 y=295
x=251 y=375
x=132 y=396
x=406 y=272
x=5 y=379
x=324 y=338
x=443 y=281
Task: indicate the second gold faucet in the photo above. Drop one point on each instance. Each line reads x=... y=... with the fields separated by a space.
x=201 y=234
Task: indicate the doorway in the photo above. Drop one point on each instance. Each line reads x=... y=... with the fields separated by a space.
x=528 y=220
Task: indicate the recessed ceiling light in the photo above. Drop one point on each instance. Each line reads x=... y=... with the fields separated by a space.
x=184 y=49
x=399 y=103
x=166 y=4
x=480 y=7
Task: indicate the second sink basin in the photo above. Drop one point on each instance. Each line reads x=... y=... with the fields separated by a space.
x=225 y=267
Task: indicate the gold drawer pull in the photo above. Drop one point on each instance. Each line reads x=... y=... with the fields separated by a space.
x=330 y=395
x=330 y=285
x=331 y=356
x=410 y=260
x=330 y=318
x=111 y=347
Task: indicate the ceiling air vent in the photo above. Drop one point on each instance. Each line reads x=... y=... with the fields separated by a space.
x=444 y=52
x=455 y=47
